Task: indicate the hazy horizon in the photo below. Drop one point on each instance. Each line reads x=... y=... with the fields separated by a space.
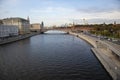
x=59 y=12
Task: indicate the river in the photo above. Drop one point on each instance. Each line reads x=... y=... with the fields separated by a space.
x=50 y=57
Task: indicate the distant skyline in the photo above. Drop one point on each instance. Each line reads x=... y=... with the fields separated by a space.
x=59 y=12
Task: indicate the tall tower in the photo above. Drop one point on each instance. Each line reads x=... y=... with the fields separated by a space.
x=114 y=22
x=28 y=24
x=28 y=19
x=42 y=26
x=85 y=22
x=73 y=26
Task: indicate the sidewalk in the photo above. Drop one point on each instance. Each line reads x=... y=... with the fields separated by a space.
x=16 y=38
x=116 y=46
x=109 y=62
x=105 y=51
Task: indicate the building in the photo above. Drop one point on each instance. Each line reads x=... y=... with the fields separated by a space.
x=23 y=24
x=1 y=22
x=8 y=30
x=35 y=27
x=42 y=25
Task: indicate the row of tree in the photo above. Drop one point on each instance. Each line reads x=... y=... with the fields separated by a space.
x=109 y=30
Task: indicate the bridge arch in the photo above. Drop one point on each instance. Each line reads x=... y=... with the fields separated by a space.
x=62 y=30
x=55 y=32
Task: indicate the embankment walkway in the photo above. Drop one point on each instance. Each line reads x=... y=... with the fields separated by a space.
x=16 y=38
x=108 y=54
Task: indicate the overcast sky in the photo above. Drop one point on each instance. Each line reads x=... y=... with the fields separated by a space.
x=58 y=12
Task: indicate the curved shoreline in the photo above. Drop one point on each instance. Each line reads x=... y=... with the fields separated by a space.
x=104 y=54
x=101 y=50
x=17 y=38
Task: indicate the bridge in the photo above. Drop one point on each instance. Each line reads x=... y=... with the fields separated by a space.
x=67 y=29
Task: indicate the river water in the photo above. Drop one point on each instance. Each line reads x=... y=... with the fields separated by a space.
x=50 y=57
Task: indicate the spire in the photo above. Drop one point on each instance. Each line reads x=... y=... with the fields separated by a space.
x=42 y=24
x=114 y=22
x=28 y=19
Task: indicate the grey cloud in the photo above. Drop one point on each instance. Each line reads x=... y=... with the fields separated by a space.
x=1 y=1
x=112 y=5
x=98 y=10
x=6 y=12
x=96 y=21
x=103 y=20
x=118 y=1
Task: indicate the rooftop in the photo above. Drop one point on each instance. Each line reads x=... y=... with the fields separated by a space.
x=15 y=18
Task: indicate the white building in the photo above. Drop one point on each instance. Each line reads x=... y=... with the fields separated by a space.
x=23 y=24
x=8 y=30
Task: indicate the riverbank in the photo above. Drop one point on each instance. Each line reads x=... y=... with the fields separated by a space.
x=105 y=52
x=16 y=38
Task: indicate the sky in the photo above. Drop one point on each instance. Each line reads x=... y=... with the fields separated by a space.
x=60 y=12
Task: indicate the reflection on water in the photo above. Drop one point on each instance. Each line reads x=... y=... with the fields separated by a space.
x=50 y=57
x=55 y=31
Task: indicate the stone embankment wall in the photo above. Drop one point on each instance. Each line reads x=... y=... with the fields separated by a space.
x=103 y=52
x=16 y=38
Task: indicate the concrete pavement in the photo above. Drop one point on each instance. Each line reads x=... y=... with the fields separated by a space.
x=106 y=53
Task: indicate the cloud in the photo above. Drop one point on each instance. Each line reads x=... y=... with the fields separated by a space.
x=98 y=6
x=5 y=12
x=60 y=11
x=51 y=10
x=61 y=15
x=1 y=1
x=100 y=21
x=95 y=21
x=118 y=1
x=10 y=2
x=98 y=10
